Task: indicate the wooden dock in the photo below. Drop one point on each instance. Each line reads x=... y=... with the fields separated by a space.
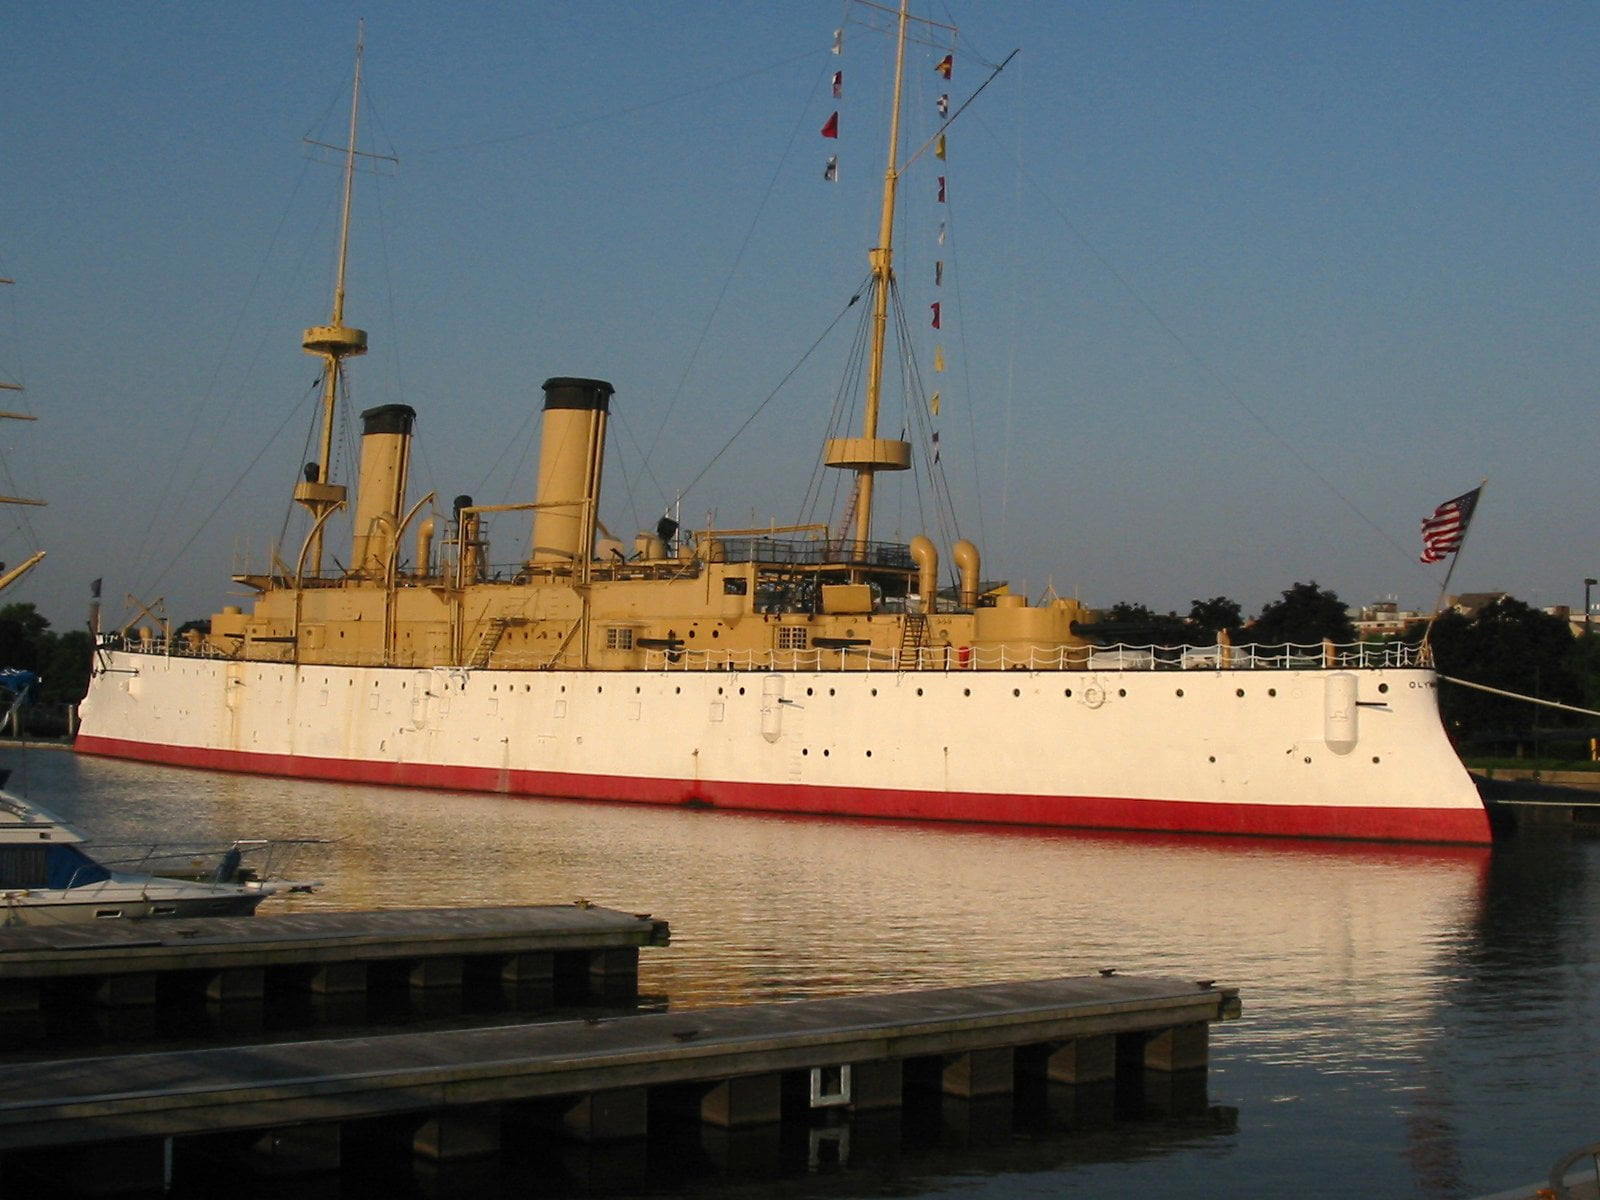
x=601 y=1080
x=125 y=963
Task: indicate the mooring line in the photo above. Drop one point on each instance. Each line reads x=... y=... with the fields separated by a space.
x=1483 y=687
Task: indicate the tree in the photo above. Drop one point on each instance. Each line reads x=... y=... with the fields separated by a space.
x=23 y=630
x=1305 y=615
x=1512 y=646
x=1214 y=616
x=64 y=667
x=1140 y=625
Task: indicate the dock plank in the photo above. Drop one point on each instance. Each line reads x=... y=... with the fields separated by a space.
x=62 y=951
x=199 y=1091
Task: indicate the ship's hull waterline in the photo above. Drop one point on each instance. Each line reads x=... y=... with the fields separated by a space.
x=1301 y=753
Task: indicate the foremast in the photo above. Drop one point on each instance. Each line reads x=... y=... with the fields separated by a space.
x=333 y=343
x=869 y=454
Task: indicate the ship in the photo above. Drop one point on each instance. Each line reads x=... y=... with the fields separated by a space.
x=805 y=668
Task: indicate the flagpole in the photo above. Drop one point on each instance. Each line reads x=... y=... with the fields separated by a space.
x=1455 y=557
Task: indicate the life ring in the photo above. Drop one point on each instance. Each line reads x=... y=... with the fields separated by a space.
x=1094 y=696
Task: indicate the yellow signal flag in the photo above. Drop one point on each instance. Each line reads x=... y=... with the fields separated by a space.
x=938 y=359
x=933 y=404
x=938 y=147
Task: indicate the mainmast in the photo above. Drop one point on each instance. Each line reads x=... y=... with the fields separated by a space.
x=869 y=454
x=7 y=578
x=332 y=343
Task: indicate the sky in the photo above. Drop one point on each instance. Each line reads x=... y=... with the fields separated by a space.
x=1233 y=293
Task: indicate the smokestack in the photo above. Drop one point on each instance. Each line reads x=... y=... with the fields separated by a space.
x=571 y=452
x=381 y=493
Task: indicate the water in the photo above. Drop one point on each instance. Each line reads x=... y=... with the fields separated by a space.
x=1418 y=1022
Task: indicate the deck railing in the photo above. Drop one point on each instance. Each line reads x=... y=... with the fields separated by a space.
x=1316 y=655
x=1293 y=656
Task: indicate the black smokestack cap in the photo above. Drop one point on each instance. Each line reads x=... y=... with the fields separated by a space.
x=591 y=394
x=388 y=418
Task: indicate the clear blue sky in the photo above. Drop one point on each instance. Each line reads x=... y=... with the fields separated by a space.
x=1234 y=293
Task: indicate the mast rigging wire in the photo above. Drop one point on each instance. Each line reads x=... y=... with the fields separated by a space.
x=192 y=424
x=738 y=258
x=626 y=110
x=226 y=496
x=788 y=375
x=1194 y=355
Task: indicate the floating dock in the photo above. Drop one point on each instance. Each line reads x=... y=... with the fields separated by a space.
x=131 y=963
x=457 y=1094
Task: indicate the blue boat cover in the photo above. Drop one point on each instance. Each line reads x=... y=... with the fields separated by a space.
x=71 y=867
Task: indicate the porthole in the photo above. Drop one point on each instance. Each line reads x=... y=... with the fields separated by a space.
x=1212 y=758
x=1308 y=758
x=677 y=691
x=1122 y=691
x=804 y=752
x=1238 y=691
x=809 y=691
x=636 y=691
x=1179 y=693
x=600 y=689
x=830 y=691
x=824 y=754
x=1272 y=691
x=874 y=691
x=1375 y=758
x=919 y=691
x=1067 y=693
x=966 y=691
x=1016 y=691
x=1383 y=687
x=869 y=753
x=741 y=691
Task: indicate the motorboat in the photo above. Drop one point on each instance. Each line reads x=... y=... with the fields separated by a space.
x=47 y=876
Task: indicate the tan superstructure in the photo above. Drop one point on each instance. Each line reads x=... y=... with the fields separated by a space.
x=782 y=596
x=715 y=596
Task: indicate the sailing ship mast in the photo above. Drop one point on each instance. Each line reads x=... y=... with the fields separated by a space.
x=33 y=560
x=333 y=343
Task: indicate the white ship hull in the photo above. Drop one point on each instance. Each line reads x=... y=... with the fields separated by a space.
x=1282 y=752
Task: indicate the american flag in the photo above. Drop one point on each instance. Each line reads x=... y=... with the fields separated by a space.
x=1444 y=532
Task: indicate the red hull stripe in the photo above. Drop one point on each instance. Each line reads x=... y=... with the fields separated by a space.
x=1469 y=825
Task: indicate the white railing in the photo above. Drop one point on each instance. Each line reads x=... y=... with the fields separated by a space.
x=1292 y=656
x=1314 y=655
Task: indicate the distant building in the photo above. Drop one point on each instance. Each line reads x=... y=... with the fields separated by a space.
x=1383 y=618
x=1574 y=620
x=1470 y=604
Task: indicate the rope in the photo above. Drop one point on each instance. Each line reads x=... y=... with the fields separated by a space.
x=1201 y=362
x=788 y=375
x=1494 y=691
x=733 y=270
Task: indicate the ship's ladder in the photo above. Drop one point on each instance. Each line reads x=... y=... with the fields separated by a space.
x=913 y=636
x=484 y=650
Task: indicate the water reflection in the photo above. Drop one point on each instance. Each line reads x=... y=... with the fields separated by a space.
x=1395 y=997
